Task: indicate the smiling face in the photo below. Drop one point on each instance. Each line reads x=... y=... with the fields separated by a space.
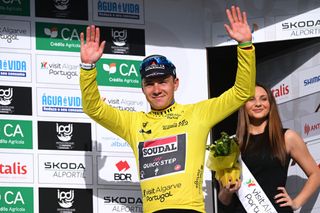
x=258 y=107
x=159 y=91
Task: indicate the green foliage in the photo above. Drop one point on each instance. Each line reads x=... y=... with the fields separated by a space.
x=222 y=146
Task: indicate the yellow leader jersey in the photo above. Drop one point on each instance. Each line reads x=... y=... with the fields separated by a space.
x=169 y=145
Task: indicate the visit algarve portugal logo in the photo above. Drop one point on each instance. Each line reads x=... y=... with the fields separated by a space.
x=250 y=183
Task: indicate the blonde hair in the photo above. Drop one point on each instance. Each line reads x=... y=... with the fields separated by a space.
x=275 y=129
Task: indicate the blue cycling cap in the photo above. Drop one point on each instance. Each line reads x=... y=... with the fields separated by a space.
x=156 y=66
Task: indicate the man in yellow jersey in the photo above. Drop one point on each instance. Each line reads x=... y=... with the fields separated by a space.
x=169 y=141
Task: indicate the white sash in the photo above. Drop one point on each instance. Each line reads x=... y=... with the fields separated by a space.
x=251 y=195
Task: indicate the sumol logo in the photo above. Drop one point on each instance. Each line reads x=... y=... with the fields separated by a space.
x=65 y=198
x=250 y=183
x=122 y=165
x=64 y=133
x=6 y=96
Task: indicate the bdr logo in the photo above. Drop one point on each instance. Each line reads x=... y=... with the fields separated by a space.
x=122 y=165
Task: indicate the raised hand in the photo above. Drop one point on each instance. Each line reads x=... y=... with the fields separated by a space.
x=238 y=29
x=91 y=50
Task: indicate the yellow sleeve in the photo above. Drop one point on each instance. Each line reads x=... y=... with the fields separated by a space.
x=92 y=105
x=216 y=109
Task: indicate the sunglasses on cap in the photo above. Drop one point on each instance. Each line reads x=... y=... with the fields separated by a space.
x=156 y=65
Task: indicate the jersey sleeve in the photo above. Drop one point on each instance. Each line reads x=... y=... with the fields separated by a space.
x=104 y=114
x=216 y=109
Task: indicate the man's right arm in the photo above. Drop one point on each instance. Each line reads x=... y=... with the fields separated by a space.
x=91 y=50
x=91 y=101
x=111 y=118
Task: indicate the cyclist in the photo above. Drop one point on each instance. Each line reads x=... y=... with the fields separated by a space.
x=169 y=141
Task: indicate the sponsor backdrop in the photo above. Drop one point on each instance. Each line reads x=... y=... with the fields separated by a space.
x=53 y=158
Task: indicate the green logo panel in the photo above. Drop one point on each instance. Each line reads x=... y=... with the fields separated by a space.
x=16 y=199
x=16 y=134
x=15 y=7
x=58 y=37
x=118 y=73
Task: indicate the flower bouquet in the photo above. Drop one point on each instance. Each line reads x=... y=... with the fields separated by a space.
x=223 y=159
